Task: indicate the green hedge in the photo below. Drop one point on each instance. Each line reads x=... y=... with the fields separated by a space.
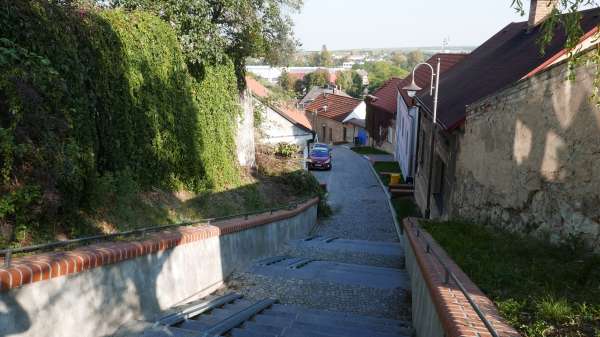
x=87 y=94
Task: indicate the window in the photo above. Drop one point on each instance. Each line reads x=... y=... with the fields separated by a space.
x=345 y=134
x=324 y=133
x=390 y=134
x=330 y=134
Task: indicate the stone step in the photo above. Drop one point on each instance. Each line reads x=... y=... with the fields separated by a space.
x=316 y=324
x=168 y=332
x=237 y=332
x=262 y=328
x=337 y=315
x=327 y=320
x=341 y=273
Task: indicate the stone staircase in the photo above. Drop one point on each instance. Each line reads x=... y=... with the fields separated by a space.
x=232 y=315
x=342 y=275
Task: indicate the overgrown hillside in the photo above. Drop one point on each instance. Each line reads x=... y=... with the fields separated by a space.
x=96 y=105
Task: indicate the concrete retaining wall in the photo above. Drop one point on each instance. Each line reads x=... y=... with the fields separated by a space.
x=97 y=301
x=440 y=309
x=426 y=321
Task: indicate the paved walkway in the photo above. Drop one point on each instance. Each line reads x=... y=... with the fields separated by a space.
x=346 y=280
x=360 y=207
x=353 y=257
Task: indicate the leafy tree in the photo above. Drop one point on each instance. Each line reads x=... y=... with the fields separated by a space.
x=344 y=79
x=299 y=87
x=382 y=71
x=212 y=30
x=326 y=59
x=413 y=58
x=317 y=78
x=571 y=21
x=286 y=81
x=399 y=59
x=351 y=82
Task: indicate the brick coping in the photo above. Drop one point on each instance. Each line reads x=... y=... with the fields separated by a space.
x=458 y=318
x=29 y=269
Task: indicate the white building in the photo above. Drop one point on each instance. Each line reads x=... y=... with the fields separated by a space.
x=280 y=123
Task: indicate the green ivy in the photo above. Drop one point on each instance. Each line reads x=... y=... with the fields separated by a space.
x=87 y=94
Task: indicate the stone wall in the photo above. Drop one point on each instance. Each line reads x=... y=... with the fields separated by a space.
x=244 y=138
x=529 y=158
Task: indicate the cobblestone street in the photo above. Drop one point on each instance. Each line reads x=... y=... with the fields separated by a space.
x=359 y=237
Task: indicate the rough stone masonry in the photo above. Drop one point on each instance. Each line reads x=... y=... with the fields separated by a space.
x=529 y=158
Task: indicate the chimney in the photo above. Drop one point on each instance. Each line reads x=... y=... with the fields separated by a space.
x=540 y=10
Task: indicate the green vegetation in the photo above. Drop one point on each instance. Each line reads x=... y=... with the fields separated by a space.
x=317 y=78
x=322 y=59
x=391 y=167
x=381 y=71
x=286 y=149
x=405 y=207
x=368 y=150
x=106 y=122
x=541 y=289
x=350 y=82
x=214 y=31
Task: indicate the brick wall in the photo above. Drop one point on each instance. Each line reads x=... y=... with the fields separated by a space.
x=529 y=158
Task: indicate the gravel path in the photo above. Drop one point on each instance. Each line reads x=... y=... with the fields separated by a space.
x=360 y=207
x=386 y=303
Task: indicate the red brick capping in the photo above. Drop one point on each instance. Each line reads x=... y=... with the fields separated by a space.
x=39 y=267
x=457 y=316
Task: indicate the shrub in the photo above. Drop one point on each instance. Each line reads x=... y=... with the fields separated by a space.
x=286 y=149
x=91 y=97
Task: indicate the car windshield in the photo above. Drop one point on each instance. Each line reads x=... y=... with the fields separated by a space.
x=320 y=152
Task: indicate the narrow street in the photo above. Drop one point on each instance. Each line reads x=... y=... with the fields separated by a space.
x=360 y=207
x=346 y=279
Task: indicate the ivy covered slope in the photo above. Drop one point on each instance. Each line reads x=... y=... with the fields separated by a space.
x=98 y=104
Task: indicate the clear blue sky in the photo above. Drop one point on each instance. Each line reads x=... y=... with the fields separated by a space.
x=347 y=24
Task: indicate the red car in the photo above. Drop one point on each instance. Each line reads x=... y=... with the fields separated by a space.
x=319 y=158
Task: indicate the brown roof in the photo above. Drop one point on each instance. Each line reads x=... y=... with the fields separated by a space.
x=292 y=114
x=504 y=59
x=338 y=107
x=387 y=95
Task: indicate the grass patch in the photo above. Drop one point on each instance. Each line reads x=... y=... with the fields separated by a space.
x=405 y=207
x=385 y=166
x=121 y=205
x=368 y=150
x=541 y=289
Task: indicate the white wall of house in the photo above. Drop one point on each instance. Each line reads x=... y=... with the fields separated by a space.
x=277 y=129
x=360 y=112
x=406 y=137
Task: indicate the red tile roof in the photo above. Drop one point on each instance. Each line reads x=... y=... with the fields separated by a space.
x=292 y=114
x=504 y=59
x=387 y=94
x=338 y=107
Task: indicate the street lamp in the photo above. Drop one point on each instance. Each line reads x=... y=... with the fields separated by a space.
x=412 y=90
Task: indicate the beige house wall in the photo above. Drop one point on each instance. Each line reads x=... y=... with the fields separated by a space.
x=529 y=159
x=334 y=130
